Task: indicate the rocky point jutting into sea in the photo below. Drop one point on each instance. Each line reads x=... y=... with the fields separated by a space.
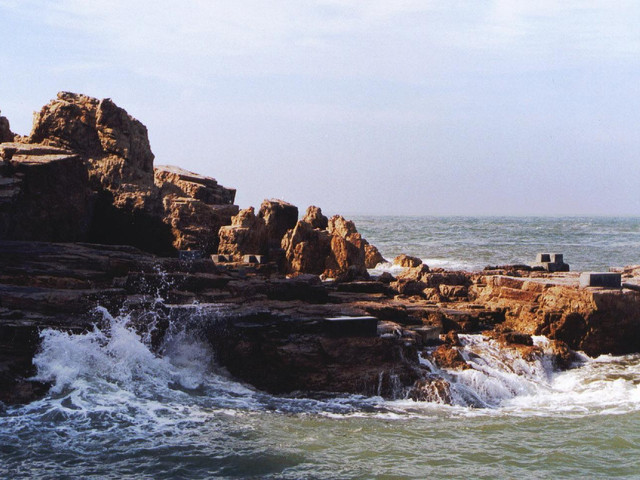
x=88 y=224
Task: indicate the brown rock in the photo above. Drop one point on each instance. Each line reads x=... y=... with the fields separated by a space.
x=315 y=218
x=279 y=216
x=195 y=207
x=114 y=144
x=179 y=182
x=194 y=224
x=451 y=338
x=246 y=235
x=6 y=135
x=431 y=389
x=44 y=194
x=306 y=248
x=447 y=356
x=407 y=261
x=372 y=257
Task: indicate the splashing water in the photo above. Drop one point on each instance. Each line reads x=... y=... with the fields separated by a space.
x=117 y=405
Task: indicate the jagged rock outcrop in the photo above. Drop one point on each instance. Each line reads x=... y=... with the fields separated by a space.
x=279 y=216
x=372 y=257
x=176 y=181
x=314 y=217
x=194 y=206
x=44 y=194
x=332 y=252
x=247 y=235
x=113 y=143
x=131 y=204
x=6 y=135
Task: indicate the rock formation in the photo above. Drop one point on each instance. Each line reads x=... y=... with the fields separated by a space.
x=44 y=194
x=407 y=261
x=329 y=247
x=279 y=216
x=128 y=203
x=6 y=135
x=194 y=206
x=247 y=235
x=114 y=144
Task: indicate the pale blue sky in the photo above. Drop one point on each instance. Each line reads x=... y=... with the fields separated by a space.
x=415 y=107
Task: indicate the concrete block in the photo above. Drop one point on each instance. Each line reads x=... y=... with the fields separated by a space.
x=351 y=326
x=601 y=279
x=557 y=258
x=429 y=334
x=222 y=258
x=259 y=259
x=543 y=257
x=551 y=262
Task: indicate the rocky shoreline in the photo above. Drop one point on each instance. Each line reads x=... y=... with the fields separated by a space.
x=287 y=303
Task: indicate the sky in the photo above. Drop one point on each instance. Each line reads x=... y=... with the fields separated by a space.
x=494 y=107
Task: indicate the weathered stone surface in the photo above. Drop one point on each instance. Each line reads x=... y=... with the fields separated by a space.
x=407 y=261
x=44 y=194
x=114 y=144
x=372 y=257
x=315 y=218
x=247 y=234
x=447 y=356
x=306 y=248
x=179 y=182
x=306 y=362
x=595 y=321
x=195 y=207
x=194 y=224
x=6 y=135
x=279 y=216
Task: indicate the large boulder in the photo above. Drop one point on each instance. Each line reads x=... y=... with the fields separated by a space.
x=247 y=235
x=332 y=252
x=194 y=206
x=6 y=135
x=44 y=194
x=407 y=261
x=279 y=216
x=306 y=249
x=114 y=144
x=315 y=218
x=179 y=182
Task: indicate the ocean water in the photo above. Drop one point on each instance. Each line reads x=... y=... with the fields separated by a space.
x=119 y=410
x=471 y=243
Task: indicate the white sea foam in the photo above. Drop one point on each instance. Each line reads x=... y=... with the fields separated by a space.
x=114 y=372
x=502 y=382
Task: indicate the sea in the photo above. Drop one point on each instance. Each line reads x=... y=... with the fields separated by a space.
x=119 y=410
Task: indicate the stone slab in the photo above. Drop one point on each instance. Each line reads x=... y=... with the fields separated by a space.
x=351 y=326
x=600 y=279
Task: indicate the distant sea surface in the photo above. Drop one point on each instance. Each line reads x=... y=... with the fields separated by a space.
x=119 y=410
x=471 y=243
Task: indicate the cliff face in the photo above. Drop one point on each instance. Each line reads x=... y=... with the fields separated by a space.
x=106 y=189
x=44 y=194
